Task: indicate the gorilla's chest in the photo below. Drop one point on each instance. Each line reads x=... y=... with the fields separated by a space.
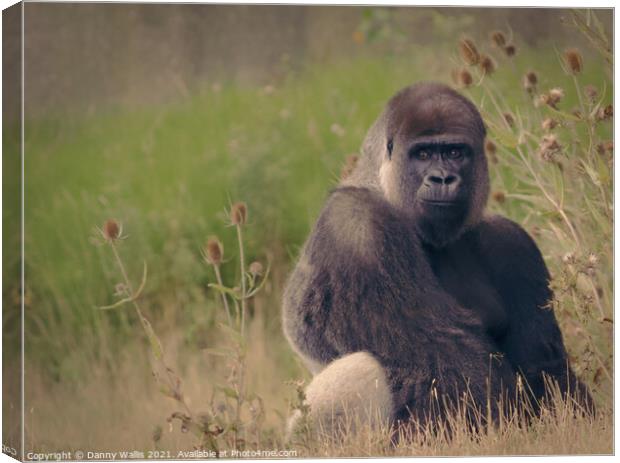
x=460 y=272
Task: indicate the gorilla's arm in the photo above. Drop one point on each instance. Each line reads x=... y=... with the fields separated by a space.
x=362 y=284
x=533 y=341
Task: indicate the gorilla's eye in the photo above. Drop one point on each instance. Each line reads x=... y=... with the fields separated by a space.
x=423 y=155
x=390 y=147
x=455 y=153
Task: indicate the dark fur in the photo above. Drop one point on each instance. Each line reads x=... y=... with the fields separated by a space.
x=432 y=305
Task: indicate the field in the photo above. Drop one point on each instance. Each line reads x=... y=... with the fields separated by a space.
x=169 y=173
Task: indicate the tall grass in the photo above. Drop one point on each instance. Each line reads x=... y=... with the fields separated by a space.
x=167 y=171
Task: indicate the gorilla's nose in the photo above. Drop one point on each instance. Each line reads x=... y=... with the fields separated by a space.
x=437 y=178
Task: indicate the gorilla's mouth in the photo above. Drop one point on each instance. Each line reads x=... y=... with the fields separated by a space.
x=441 y=202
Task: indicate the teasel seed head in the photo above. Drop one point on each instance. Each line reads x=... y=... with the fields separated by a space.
x=569 y=258
x=469 y=52
x=499 y=196
x=487 y=65
x=552 y=98
x=530 y=80
x=510 y=50
x=593 y=260
x=238 y=213
x=556 y=95
x=490 y=148
x=112 y=230
x=214 y=251
x=465 y=79
x=549 y=148
x=591 y=92
x=509 y=118
x=256 y=268
x=573 y=61
x=498 y=39
x=609 y=146
x=605 y=113
x=549 y=124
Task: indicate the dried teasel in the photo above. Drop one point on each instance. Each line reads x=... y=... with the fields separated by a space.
x=469 y=52
x=593 y=260
x=213 y=251
x=573 y=61
x=530 y=80
x=510 y=50
x=490 y=148
x=591 y=92
x=256 y=268
x=549 y=148
x=499 y=196
x=549 y=124
x=569 y=258
x=591 y=263
x=487 y=65
x=498 y=39
x=605 y=147
x=238 y=213
x=552 y=98
x=605 y=113
x=112 y=230
x=555 y=95
x=465 y=79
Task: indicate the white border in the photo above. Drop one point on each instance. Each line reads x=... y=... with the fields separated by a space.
x=447 y=3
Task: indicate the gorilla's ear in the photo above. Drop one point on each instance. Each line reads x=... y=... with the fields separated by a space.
x=374 y=144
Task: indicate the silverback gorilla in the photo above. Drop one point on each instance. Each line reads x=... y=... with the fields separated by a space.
x=406 y=294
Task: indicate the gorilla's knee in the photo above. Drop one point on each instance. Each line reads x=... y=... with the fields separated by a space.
x=349 y=393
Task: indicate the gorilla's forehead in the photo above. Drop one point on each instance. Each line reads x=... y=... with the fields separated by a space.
x=434 y=111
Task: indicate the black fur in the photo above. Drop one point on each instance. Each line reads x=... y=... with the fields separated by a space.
x=433 y=304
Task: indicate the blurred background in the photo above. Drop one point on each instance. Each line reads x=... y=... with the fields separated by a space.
x=162 y=115
x=83 y=57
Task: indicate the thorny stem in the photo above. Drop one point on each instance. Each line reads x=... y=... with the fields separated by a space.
x=145 y=325
x=243 y=288
x=218 y=277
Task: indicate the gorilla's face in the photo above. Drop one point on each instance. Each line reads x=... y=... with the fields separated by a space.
x=433 y=167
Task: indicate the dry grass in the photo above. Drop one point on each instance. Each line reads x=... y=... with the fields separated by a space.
x=121 y=412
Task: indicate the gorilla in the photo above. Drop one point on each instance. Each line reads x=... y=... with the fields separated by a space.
x=408 y=299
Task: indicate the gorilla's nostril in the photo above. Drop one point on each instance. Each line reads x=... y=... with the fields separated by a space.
x=435 y=179
x=449 y=179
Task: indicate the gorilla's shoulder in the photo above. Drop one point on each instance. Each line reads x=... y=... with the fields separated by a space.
x=508 y=248
x=356 y=222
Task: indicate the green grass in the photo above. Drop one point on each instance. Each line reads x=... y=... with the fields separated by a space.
x=168 y=172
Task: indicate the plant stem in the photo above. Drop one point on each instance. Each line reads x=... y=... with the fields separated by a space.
x=218 y=277
x=243 y=288
x=558 y=208
x=147 y=328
